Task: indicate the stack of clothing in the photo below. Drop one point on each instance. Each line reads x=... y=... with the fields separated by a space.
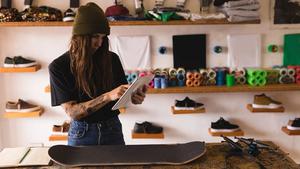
x=239 y=10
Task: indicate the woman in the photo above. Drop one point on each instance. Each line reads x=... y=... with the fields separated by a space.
x=88 y=79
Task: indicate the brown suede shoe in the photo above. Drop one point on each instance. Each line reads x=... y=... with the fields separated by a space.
x=21 y=107
x=263 y=101
x=66 y=126
x=57 y=128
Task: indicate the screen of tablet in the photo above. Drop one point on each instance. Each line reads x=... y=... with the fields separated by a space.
x=125 y=99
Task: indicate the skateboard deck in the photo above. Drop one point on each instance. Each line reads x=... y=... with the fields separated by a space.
x=172 y=154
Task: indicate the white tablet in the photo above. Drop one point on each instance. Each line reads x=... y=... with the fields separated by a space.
x=125 y=99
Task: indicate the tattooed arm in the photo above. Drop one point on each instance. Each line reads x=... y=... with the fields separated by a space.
x=78 y=111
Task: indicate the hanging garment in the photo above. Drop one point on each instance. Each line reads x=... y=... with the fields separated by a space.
x=291 y=49
x=134 y=51
x=244 y=50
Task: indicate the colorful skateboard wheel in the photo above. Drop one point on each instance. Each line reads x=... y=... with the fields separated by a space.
x=134 y=75
x=181 y=71
x=181 y=83
x=180 y=77
x=163 y=83
x=273 y=48
x=172 y=82
x=190 y=75
x=211 y=74
x=298 y=71
x=189 y=83
x=218 y=49
x=204 y=72
x=298 y=79
x=197 y=75
x=196 y=83
x=142 y=74
x=229 y=80
x=172 y=72
x=291 y=72
x=162 y=50
x=211 y=82
x=157 y=71
x=151 y=84
x=157 y=82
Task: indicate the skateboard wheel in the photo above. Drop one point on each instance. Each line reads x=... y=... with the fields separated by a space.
x=273 y=48
x=218 y=49
x=162 y=50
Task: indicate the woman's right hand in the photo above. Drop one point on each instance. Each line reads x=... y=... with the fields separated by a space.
x=117 y=92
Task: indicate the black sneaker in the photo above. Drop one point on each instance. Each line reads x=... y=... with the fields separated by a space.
x=187 y=103
x=69 y=15
x=191 y=103
x=147 y=127
x=294 y=125
x=179 y=103
x=223 y=126
x=18 y=61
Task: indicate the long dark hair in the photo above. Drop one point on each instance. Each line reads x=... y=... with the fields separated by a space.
x=92 y=70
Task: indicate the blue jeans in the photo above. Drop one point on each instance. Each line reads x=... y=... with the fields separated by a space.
x=104 y=133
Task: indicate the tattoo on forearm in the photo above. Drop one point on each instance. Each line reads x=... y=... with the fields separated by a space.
x=95 y=104
x=79 y=110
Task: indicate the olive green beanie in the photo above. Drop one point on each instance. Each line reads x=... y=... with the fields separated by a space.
x=90 y=19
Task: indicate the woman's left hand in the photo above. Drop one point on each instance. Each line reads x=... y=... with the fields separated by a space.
x=139 y=96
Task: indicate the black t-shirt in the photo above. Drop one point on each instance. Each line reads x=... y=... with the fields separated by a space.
x=63 y=87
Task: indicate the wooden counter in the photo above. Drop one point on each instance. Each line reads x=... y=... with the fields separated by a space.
x=216 y=157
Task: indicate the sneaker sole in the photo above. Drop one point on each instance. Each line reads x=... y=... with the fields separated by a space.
x=292 y=128
x=223 y=130
x=23 y=110
x=270 y=106
x=68 y=19
x=20 y=65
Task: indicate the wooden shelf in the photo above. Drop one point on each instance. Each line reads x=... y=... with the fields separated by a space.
x=290 y=132
x=23 y=115
x=18 y=70
x=263 y=110
x=130 y=23
x=147 y=136
x=219 y=89
x=223 y=89
x=236 y=133
x=199 y=110
x=58 y=137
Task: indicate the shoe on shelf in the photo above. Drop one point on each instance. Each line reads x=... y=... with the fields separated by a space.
x=294 y=125
x=65 y=126
x=187 y=104
x=263 y=101
x=56 y=128
x=223 y=126
x=61 y=129
x=18 y=61
x=147 y=128
x=69 y=15
x=21 y=107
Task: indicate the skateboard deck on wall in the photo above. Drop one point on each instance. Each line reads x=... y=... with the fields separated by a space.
x=172 y=154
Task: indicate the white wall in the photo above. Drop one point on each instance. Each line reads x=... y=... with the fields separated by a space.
x=46 y=43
